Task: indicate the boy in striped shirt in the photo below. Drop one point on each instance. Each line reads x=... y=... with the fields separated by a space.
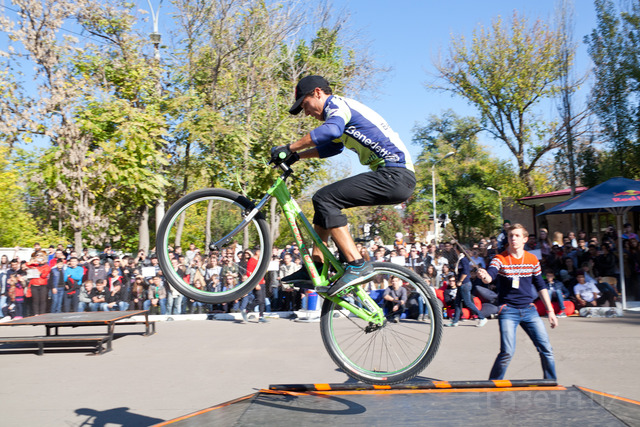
x=519 y=282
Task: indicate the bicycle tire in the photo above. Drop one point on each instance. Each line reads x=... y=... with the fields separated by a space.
x=394 y=353
x=230 y=207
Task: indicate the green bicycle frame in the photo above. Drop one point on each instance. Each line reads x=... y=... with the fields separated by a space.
x=292 y=212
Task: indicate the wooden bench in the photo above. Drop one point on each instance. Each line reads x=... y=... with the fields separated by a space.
x=54 y=321
x=96 y=341
x=150 y=327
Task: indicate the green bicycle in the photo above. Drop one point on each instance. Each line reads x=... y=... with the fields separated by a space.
x=366 y=341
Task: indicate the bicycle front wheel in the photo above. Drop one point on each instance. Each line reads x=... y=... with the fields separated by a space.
x=214 y=274
x=399 y=349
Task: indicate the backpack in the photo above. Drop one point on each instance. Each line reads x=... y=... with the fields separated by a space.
x=71 y=286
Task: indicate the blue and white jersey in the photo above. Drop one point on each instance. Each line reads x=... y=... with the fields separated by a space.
x=348 y=123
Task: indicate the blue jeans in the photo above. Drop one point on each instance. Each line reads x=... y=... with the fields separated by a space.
x=56 y=300
x=464 y=293
x=98 y=306
x=174 y=303
x=162 y=302
x=197 y=306
x=558 y=295
x=246 y=300
x=275 y=298
x=509 y=318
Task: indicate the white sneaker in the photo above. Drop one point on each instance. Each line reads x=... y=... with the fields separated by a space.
x=481 y=322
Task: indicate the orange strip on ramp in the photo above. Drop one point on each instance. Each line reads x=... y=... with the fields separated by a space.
x=322 y=387
x=382 y=387
x=624 y=399
x=502 y=383
x=442 y=384
x=410 y=391
x=204 y=411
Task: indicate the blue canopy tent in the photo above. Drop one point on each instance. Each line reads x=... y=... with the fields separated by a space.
x=616 y=196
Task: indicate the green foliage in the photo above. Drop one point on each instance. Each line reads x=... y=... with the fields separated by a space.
x=590 y=175
x=125 y=130
x=462 y=179
x=614 y=47
x=386 y=222
x=17 y=225
x=504 y=73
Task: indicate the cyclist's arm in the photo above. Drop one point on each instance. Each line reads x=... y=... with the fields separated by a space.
x=307 y=149
x=321 y=139
x=309 y=154
x=302 y=144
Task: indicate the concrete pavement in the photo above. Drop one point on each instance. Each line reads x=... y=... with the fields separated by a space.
x=190 y=365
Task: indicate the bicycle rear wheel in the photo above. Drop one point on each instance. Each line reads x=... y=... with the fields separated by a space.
x=394 y=352
x=203 y=218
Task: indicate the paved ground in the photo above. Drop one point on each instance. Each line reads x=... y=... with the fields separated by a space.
x=191 y=365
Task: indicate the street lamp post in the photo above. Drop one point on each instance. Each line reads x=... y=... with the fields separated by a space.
x=499 y=199
x=155 y=36
x=156 y=39
x=433 y=188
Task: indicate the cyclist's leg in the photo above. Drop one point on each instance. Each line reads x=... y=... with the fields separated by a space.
x=341 y=237
x=386 y=186
x=324 y=234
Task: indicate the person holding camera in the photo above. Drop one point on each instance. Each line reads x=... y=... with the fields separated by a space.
x=142 y=260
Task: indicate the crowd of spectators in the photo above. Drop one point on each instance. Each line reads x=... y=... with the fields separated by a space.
x=580 y=268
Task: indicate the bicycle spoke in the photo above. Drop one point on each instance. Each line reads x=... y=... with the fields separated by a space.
x=386 y=353
x=214 y=273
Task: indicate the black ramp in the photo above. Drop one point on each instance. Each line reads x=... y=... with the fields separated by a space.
x=522 y=406
x=226 y=414
x=494 y=408
x=626 y=410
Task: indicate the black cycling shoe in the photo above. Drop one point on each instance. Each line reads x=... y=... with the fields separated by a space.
x=300 y=275
x=353 y=275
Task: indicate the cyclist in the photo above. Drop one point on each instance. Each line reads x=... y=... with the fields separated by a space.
x=350 y=124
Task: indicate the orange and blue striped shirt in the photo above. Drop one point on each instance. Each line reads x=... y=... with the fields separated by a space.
x=529 y=273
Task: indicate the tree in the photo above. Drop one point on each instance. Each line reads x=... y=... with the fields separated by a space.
x=241 y=63
x=16 y=223
x=571 y=125
x=125 y=115
x=505 y=73
x=67 y=167
x=464 y=178
x=115 y=141
x=614 y=46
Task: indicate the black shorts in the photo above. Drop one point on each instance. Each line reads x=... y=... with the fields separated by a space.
x=386 y=186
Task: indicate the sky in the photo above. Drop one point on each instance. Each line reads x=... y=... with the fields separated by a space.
x=408 y=35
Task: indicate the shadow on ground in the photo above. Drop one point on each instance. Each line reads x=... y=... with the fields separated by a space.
x=116 y=416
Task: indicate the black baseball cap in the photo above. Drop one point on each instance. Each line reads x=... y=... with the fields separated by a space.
x=305 y=86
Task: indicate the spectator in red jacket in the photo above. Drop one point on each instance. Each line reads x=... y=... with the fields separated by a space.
x=39 y=284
